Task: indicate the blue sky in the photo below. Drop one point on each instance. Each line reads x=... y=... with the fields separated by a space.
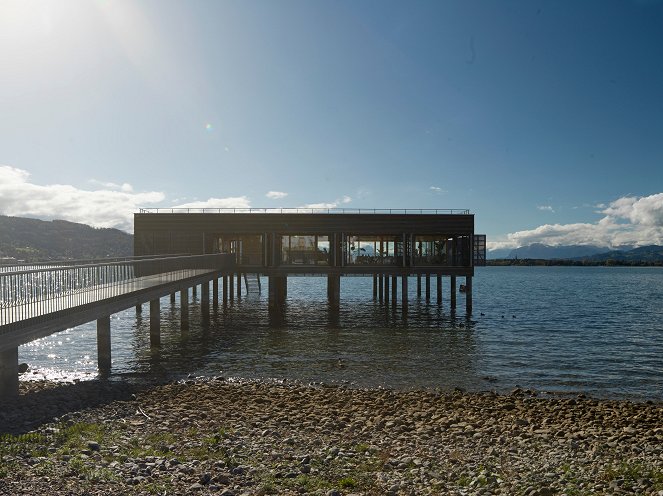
x=544 y=118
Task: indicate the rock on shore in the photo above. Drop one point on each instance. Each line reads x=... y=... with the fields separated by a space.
x=229 y=438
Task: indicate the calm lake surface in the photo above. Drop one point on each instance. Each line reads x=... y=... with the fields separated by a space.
x=594 y=330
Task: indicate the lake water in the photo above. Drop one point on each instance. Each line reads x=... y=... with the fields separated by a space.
x=594 y=330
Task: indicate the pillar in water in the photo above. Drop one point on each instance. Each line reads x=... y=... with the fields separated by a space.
x=9 y=373
x=104 y=344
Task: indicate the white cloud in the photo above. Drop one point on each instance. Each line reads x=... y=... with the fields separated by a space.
x=231 y=202
x=327 y=205
x=126 y=187
x=629 y=220
x=104 y=207
x=436 y=189
x=320 y=205
x=646 y=211
x=546 y=208
x=276 y=195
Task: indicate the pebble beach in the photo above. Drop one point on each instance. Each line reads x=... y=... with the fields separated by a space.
x=214 y=436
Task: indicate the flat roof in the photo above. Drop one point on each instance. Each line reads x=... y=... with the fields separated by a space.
x=312 y=210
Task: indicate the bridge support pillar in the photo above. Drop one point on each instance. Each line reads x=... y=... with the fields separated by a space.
x=139 y=308
x=381 y=287
x=184 y=309
x=418 y=285
x=239 y=285
x=427 y=287
x=334 y=290
x=172 y=298
x=204 y=299
x=215 y=292
x=386 y=289
x=231 y=286
x=404 y=295
x=439 y=289
x=453 y=292
x=104 y=345
x=225 y=290
x=155 y=322
x=468 y=295
x=194 y=292
x=278 y=290
x=9 y=373
x=375 y=287
x=394 y=290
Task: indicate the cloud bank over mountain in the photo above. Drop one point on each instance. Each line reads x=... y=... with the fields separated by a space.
x=627 y=221
x=109 y=205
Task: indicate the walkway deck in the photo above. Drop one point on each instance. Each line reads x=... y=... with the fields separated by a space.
x=40 y=301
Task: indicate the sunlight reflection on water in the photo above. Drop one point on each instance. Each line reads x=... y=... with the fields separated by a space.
x=560 y=329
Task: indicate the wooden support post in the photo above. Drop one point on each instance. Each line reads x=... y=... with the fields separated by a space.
x=155 y=323
x=231 y=286
x=404 y=295
x=194 y=292
x=418 y=285
x=468 y=295
x=334 y=290
x=394 y=289
x=139 y=308
x=184 y=309
x=453 y=292
x=104 y=345
x=215 y=292
x=381 y=287
x=427 y=287
x=9 y=373
x=172 y=298
x=375 y=287
x=225 y=290
x=278 y=290
x=439 y=289
x=386 y=289
x=204 y=299
x=239 y=285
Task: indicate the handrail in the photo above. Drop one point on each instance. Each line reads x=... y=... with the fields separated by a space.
x=67 y=263
x=34 y=292
x=310 y=210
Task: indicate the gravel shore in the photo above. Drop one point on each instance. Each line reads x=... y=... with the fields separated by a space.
x=234 y=438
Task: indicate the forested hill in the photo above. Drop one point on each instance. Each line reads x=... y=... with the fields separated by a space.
x=34 y=240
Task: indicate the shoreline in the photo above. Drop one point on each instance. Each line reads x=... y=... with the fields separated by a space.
x=248 y=437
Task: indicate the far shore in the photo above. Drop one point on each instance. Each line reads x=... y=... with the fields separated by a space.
x=216 y=436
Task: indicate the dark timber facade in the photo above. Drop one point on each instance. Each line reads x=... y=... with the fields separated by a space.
x=386 y=246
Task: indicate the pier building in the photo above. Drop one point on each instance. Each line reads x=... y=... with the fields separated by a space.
x=388 y=245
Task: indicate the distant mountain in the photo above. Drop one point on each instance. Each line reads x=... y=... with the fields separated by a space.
x=35 y=240
x=498 y=253
x=547 y=252
x=652 y=253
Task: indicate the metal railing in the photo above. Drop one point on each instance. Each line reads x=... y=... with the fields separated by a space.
x=308 y=210
x=20 y=265
x=39 y=291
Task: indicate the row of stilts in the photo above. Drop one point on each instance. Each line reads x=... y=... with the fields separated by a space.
x=231 y=286
x=385 y=289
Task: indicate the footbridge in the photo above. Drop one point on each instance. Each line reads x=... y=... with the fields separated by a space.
x=40 y=299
